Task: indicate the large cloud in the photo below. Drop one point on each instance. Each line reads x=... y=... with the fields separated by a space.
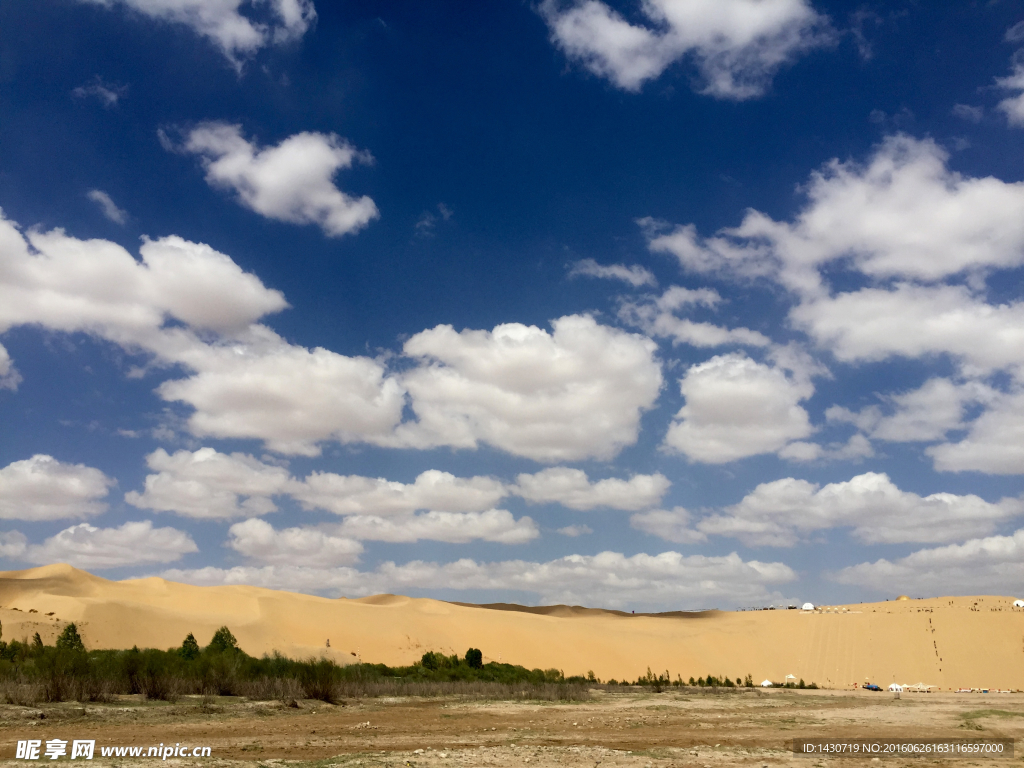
x=496 y=525
x=675 y=525
x=785 y=512
x=134 y=543
x=208 y=484
x=978 y=566
x=737 y=45
x=237 y=36
x=292 y=181
x=575 y=393
x=874 y=324
x=42 y=488
x=431 y=490
x=291 y=397
x=188 y=305
x=573 y=489
x=258 y=540
x=994 y=444
x=903 y=214
x=668 y=580
x=96 y=286
x=737 y=407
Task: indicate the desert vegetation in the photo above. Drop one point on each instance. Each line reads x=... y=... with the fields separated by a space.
x=31 y=671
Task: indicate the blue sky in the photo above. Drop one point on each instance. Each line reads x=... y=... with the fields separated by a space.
x=649 y=306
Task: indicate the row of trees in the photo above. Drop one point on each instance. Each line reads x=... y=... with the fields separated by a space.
x=67 y=671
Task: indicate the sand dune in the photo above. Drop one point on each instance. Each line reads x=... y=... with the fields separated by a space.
x=949 y=642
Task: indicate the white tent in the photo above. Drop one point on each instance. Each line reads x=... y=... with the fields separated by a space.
x=895 y=687
x=1018 y=603
x=766 y=683
x=808 y=606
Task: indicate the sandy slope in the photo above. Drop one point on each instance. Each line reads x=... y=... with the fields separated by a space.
x=948 y=642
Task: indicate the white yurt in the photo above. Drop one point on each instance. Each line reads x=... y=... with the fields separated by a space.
x=895 y=687
x=807 y=607
x=1018 y=603
x=766 y=683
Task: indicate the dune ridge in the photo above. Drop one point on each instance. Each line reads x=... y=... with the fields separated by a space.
x=949 y=642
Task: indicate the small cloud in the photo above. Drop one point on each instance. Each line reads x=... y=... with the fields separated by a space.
x=968 y=113
x=575 y=530
x=635 y=275
x=107 y=93
x=107 y=206
x=894 y=122
x=1015 y=34
x=427 y=223
x=858 y=20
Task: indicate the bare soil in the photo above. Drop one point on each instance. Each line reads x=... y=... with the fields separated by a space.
x=616 y=728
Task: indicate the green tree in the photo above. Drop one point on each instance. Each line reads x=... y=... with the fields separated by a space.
x=222 y=641
x=190 y=648
x=70 y=640
x=474 y=658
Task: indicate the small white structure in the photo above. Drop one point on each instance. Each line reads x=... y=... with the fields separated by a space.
x=896 y=688
x=1018 y=603
x=766 y=683
x=807 y=607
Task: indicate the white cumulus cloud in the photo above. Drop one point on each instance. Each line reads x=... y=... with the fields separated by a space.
x=292 y=181
x=377 y=496
x=785 y=512
x=915 y=321
x=736 y=407
x=43 y=488
x=736 y=45
x=574 y=393
x=994 y=443
x=238 y=36
x=208 y=484
x=134 y=543
x=259 y=386
x=496 y=525
x=675 y=525
x=902 y=214
x=573 y=489
x=992 y=565
x=258 y=540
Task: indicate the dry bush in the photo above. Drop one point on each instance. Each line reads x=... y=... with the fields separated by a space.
x=271 y=688
x=20 y=692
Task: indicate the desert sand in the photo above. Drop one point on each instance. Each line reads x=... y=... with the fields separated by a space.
x=947 y=642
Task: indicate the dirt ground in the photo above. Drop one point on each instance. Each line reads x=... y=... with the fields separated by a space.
x=618 y=728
